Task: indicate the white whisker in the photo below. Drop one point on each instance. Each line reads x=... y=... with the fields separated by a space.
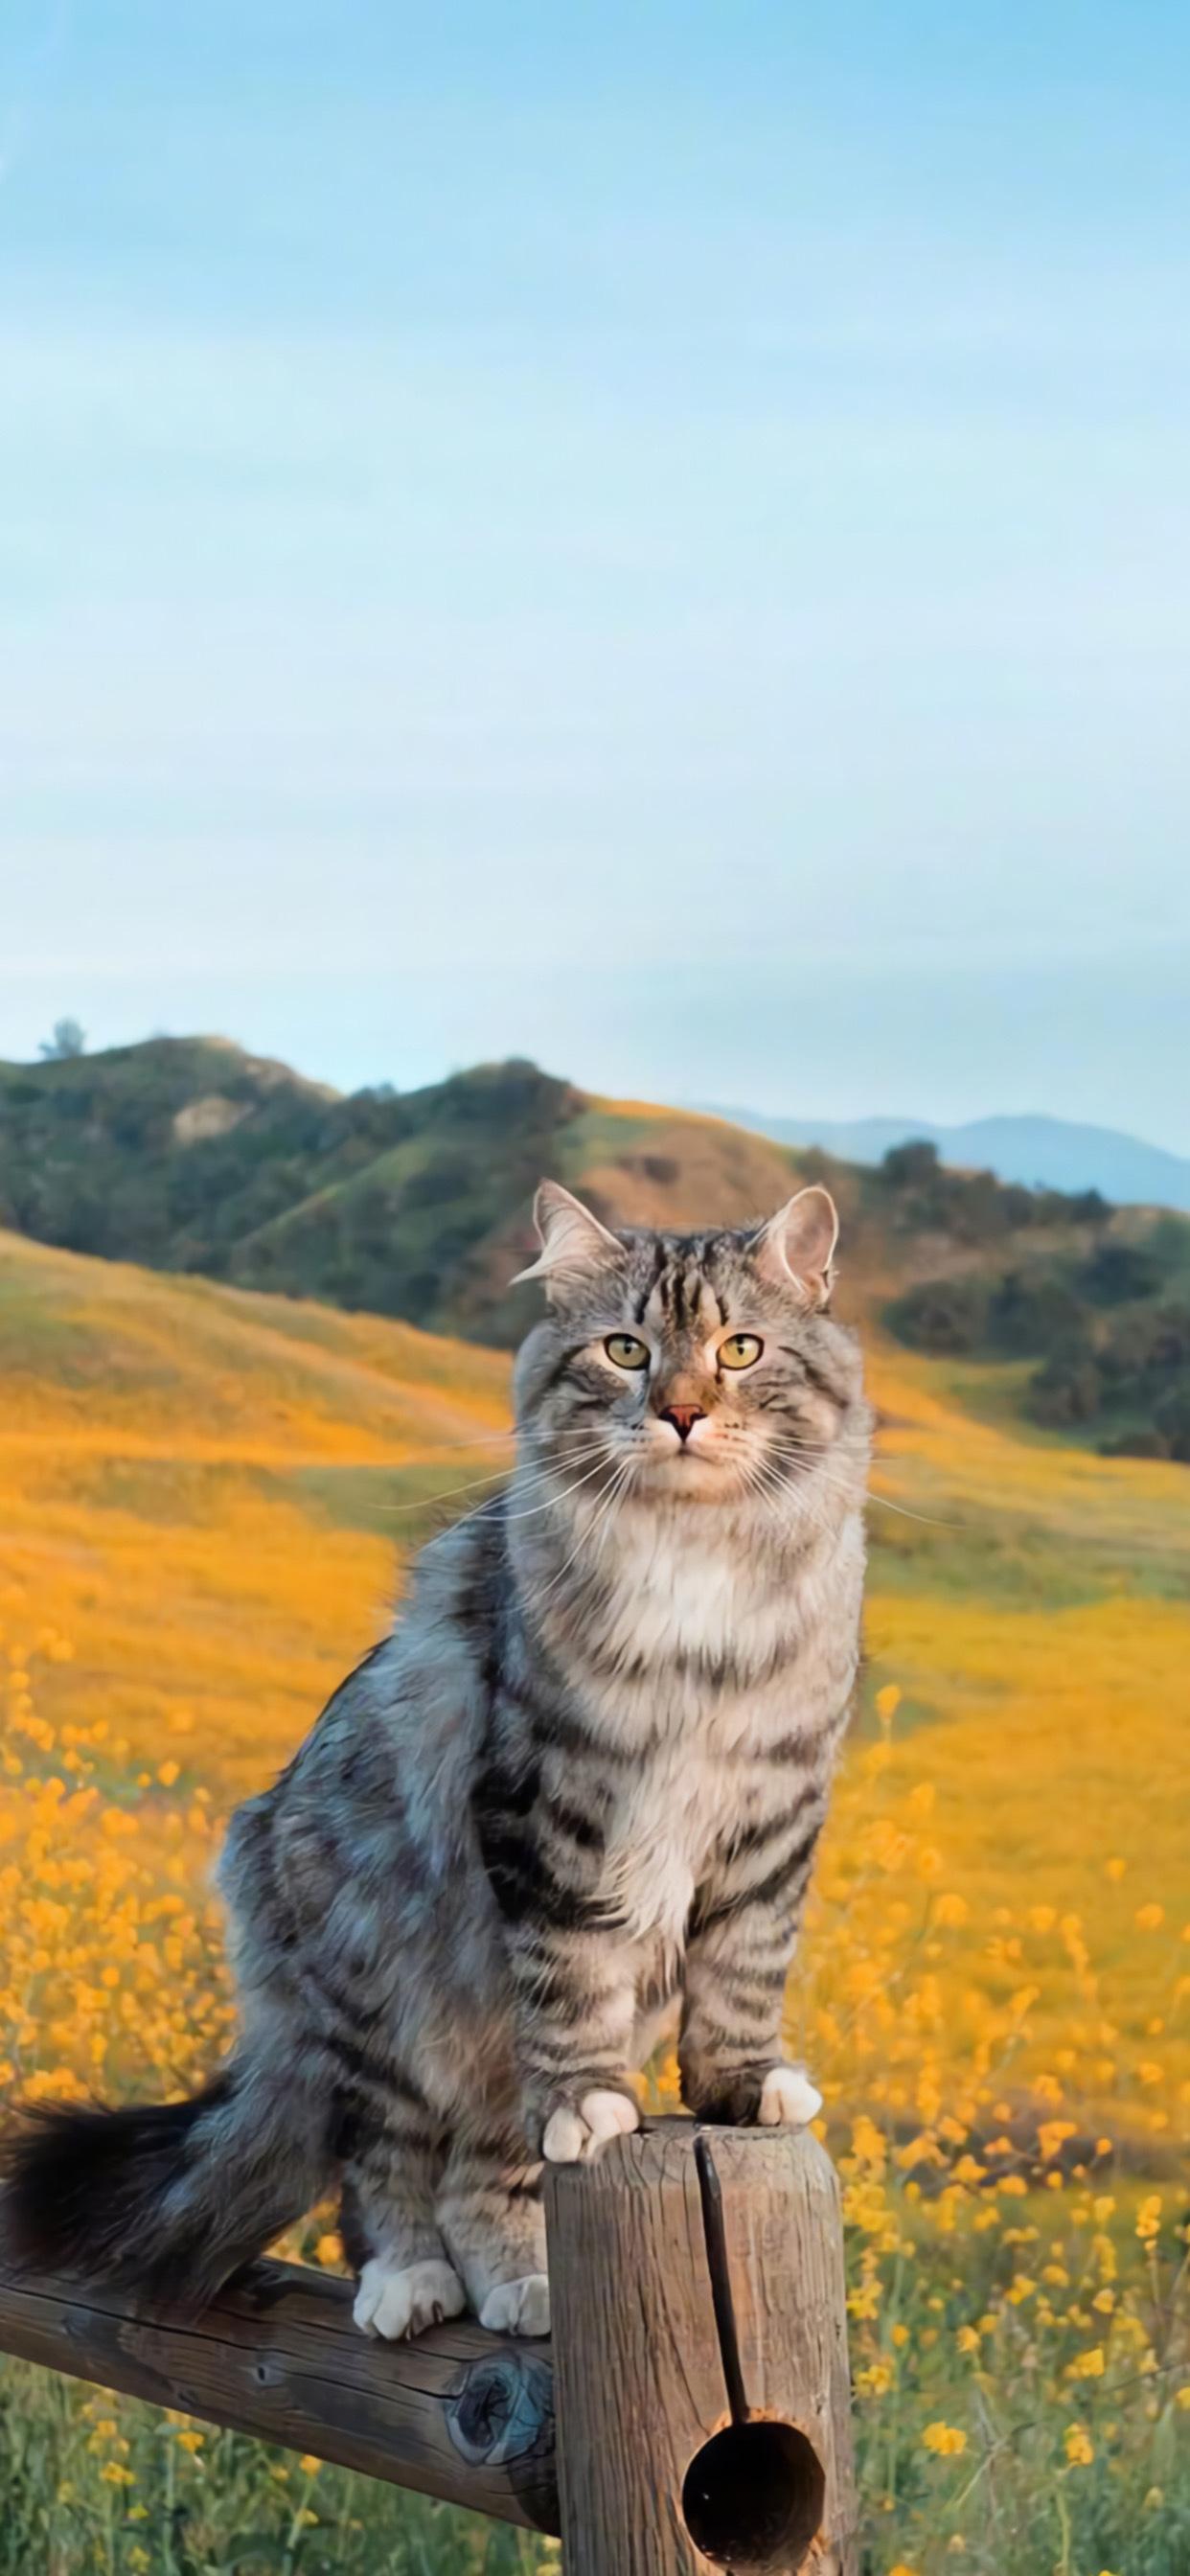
x=819 y=1472
x=478 y=1440
x=497 y=1475
x=619 y=1482
x=553 y=1499
x=550 y=1504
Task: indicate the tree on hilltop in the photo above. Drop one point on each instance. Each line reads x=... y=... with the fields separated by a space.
x=69 y=1039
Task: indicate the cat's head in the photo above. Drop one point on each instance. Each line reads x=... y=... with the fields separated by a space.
x=705 y=1364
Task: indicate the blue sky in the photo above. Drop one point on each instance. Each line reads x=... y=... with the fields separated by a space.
x=655 y=537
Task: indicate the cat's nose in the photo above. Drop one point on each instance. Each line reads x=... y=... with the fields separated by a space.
x=684 y=1417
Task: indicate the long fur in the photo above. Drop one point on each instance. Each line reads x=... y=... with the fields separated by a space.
x=580 y=1786
x=164 y=2198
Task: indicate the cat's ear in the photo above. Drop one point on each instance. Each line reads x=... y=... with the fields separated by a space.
x=797 y=1246
x=574 y=1245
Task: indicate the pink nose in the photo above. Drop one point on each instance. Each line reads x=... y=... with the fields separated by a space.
x=684 y=1417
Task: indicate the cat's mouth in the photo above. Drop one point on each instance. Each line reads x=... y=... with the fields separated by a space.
x=687 y=1468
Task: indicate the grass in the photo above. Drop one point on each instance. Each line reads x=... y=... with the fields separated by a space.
x=201 y=1507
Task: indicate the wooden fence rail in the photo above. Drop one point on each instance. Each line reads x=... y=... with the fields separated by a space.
x=690 y=2413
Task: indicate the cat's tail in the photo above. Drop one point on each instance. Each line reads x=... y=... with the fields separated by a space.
x=164 y=2199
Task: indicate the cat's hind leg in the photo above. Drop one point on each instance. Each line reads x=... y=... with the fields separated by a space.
x=390 y=2233
x=490 y=2213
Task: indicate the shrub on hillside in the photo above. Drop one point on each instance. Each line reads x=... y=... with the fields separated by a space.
x=946 y=1316
x=1067 y=1390
x=1171 y=1417
x=1116 y=1273
x=1032 y=1313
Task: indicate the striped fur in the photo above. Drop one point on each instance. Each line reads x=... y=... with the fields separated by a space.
x=578 y=1789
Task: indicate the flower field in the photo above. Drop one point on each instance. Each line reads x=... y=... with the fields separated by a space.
x=203 y=1496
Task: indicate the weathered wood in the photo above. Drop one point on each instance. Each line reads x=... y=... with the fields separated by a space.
x=700 y=2356
x=460 y=2414
x=700 y=2366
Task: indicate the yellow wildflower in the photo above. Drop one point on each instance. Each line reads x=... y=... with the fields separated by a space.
x=944 y=2440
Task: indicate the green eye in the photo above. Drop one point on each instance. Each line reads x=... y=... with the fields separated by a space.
x=627 y=1351
x=740 y=1350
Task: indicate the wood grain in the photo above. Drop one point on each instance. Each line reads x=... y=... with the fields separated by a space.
x=643 y=2382
x=459 y=2414
x=699 y=2366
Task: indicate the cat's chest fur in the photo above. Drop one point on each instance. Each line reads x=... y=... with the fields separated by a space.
x=675 y=1600
x=699 y=1662
x=663 y=1832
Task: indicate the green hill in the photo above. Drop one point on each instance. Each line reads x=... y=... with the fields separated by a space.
x=188 y=1154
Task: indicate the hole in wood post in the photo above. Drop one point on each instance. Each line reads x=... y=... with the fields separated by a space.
x=753 y=2498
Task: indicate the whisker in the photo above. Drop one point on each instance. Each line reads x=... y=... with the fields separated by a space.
x=550 y=1504
x=445 y=1494
x=620 y=1479
x=553 y=1499
x=496 y=1475
x=478 y=1440
x=927 y=1519
x=839 y=1484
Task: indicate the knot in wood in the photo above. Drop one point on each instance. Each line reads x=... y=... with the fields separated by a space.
x=502 y=2410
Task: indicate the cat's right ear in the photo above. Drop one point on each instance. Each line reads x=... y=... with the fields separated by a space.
x=574 y=1245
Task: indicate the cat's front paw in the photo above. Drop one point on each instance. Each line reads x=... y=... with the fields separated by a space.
x=396 y=2300
x=518 y=2307
x=575 y=2131
x=746 y=2097
x=788 y=2100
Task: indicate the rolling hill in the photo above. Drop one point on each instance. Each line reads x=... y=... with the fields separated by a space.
x=189 y=1154
x=205 y=1498
x=206 y=1495
x=212 y=1487
x=194 y=1157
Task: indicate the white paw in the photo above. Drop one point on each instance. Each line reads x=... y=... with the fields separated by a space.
x=789 y=2100
x=518 y=2307
x=573 y=2137
x=393 y=2301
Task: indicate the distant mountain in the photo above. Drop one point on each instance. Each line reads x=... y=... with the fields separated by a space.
x=1043 y=1153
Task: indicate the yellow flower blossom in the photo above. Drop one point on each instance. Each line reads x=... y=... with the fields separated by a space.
x=946 y=2441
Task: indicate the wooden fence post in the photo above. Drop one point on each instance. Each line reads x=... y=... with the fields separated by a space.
x=700 y=2357
x=695 y=2404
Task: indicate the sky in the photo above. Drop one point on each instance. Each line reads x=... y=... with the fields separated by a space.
x=654 y=537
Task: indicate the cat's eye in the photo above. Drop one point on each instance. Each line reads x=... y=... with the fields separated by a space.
x=627 y=1351
x=740 y=1350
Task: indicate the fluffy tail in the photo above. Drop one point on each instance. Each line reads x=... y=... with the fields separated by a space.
x=167 y=2198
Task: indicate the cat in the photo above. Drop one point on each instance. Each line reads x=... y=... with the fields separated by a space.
x=580 y=1785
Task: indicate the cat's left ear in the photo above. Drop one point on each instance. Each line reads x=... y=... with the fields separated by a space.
x=574 y=1245
x=797 y=1246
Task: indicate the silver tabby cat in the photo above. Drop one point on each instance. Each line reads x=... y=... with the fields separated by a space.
x=579 y=1786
